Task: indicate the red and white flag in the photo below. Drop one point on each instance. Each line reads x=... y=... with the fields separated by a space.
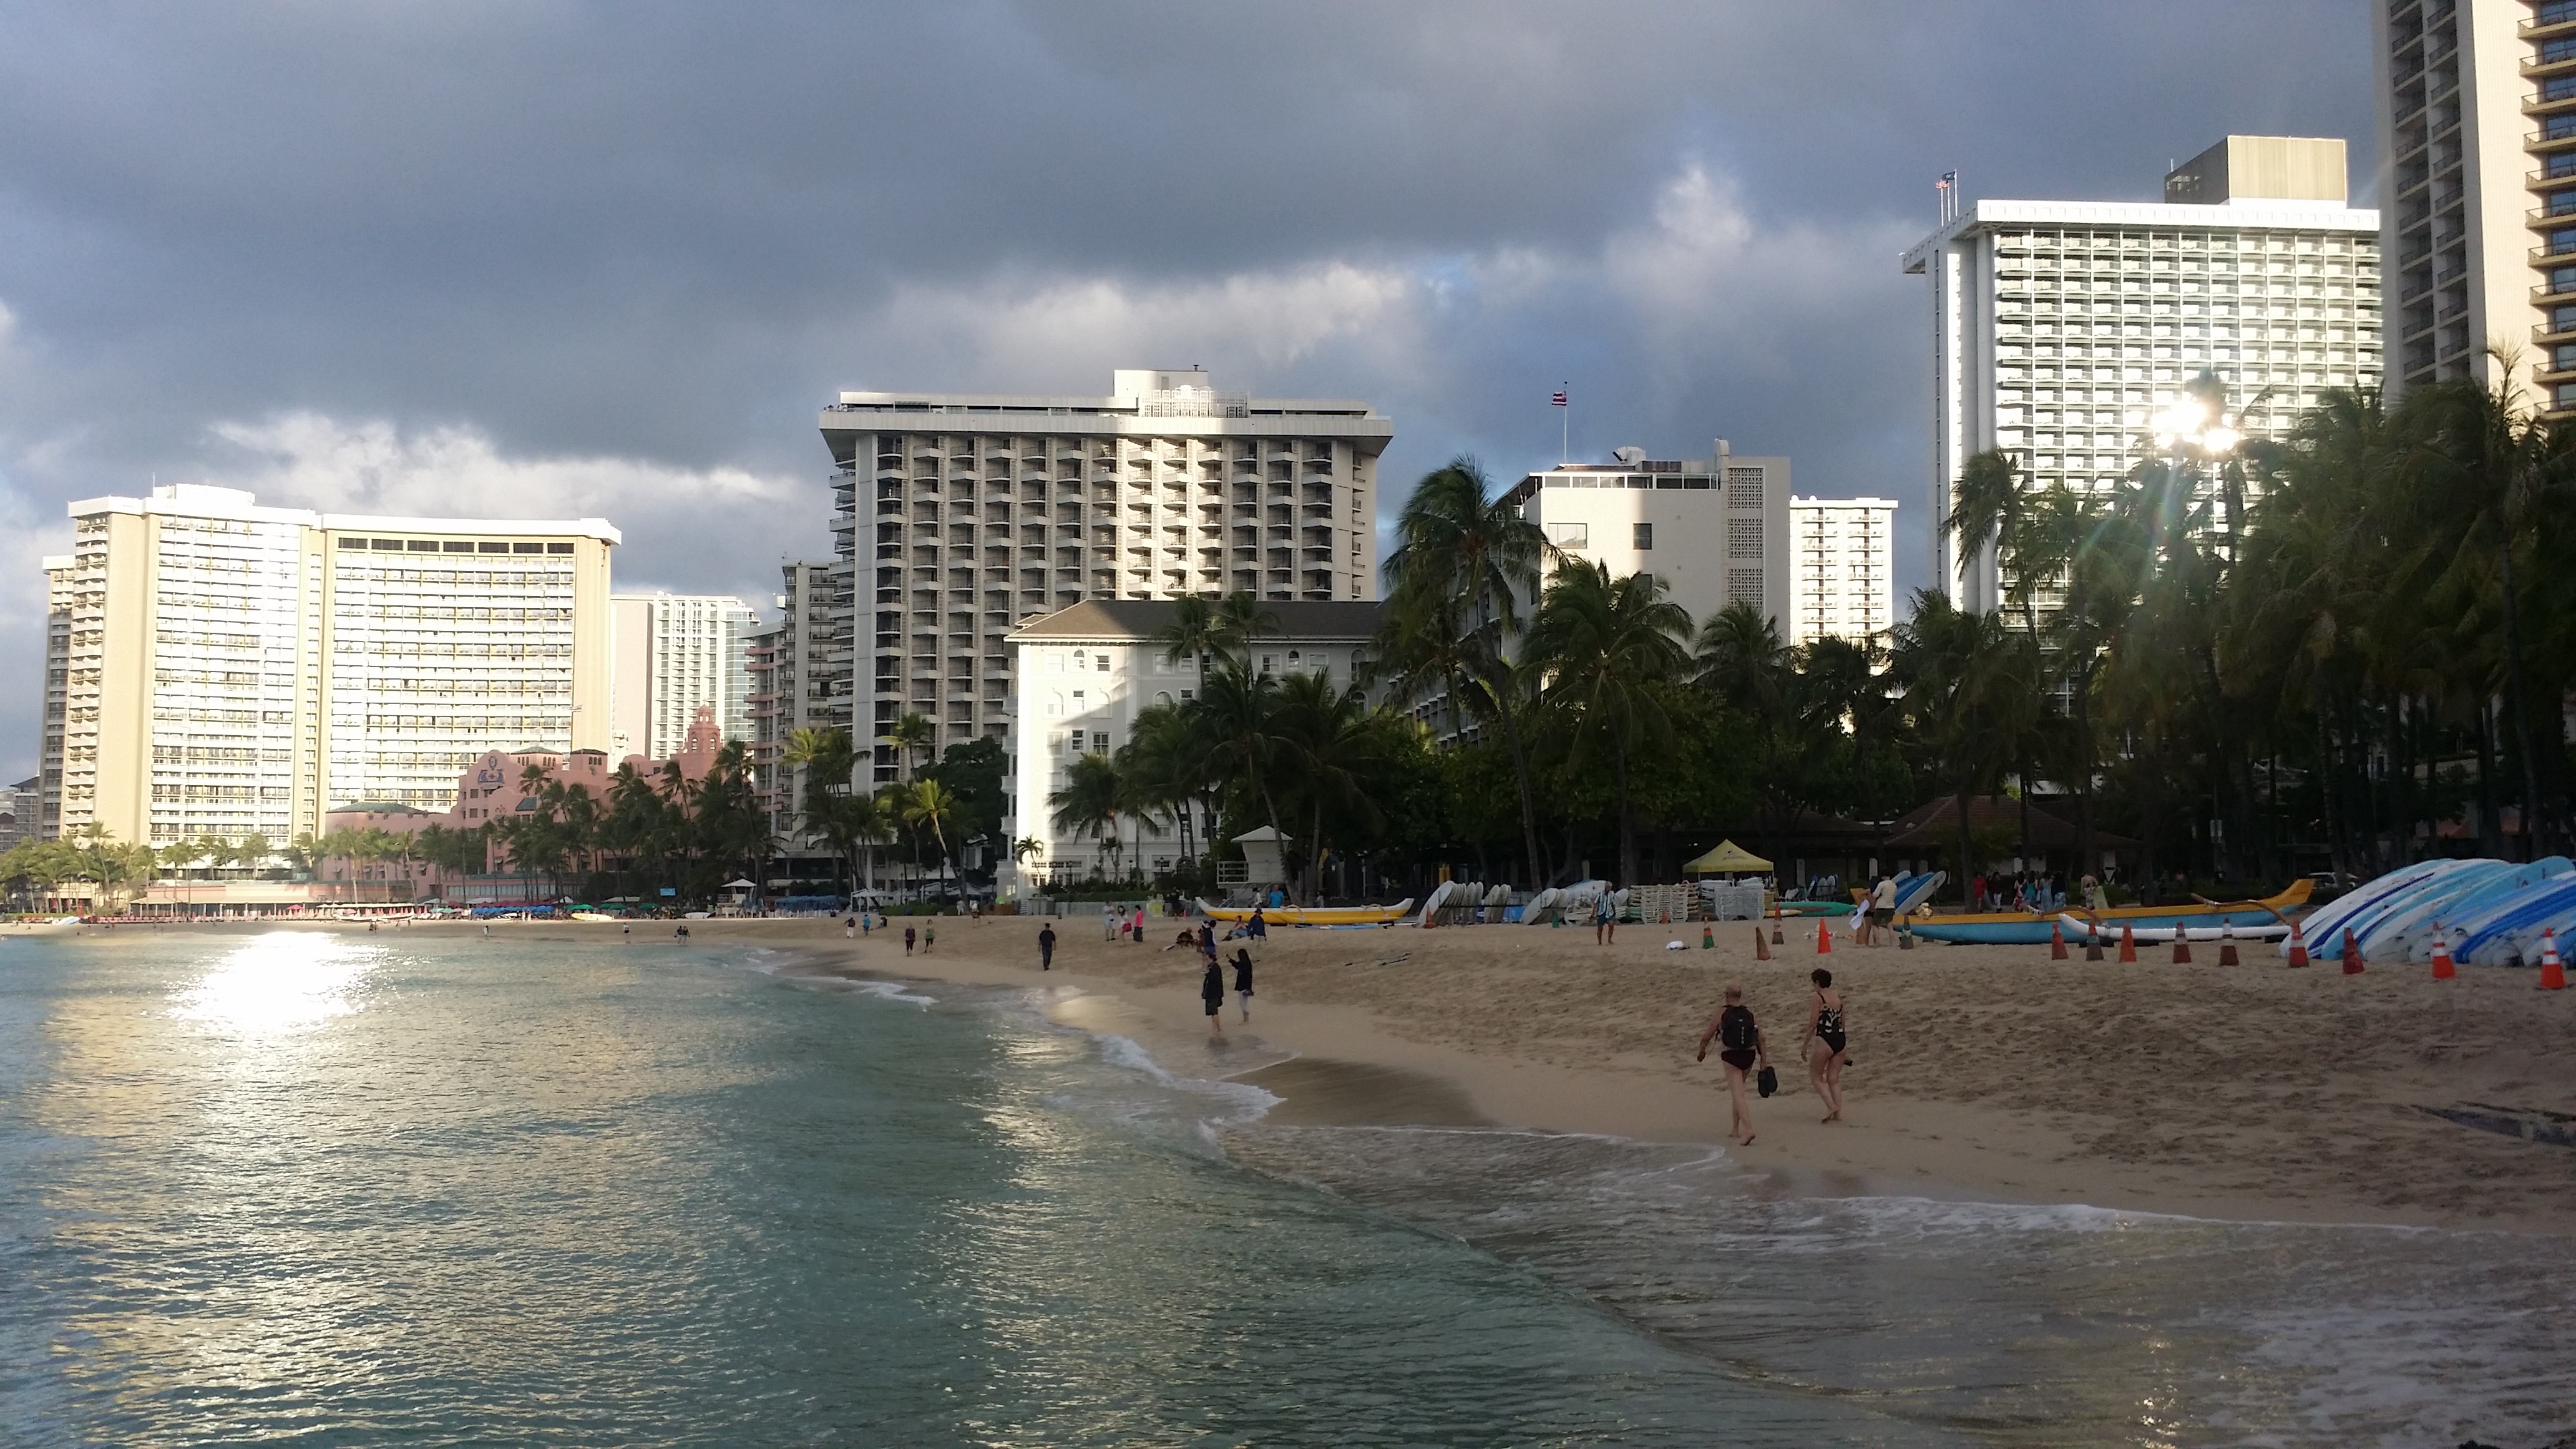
x=1558 y=400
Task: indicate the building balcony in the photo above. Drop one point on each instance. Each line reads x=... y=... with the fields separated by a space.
x=2544 y=296
x=2542 y=220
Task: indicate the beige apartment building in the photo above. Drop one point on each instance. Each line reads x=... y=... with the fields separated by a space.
x=2477 y=188
x=961 y=516
x=234 y=670
x=1714 y=529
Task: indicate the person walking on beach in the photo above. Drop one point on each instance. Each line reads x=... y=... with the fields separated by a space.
x=1243 y=980
x=1212 y=995
x=1108 y=921
x=1207 y=939
x=1739 y=1040
x=1882 y=909
x=1046 y=948
x=907 y=940
x=1258 y=928
x=1826 y=1039
x=929 y=936
x=1605 y=920
x=850 y=929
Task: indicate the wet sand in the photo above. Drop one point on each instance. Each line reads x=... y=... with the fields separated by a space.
x=2256 y=1092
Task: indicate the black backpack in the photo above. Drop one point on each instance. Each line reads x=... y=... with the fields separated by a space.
x=1735 y=1029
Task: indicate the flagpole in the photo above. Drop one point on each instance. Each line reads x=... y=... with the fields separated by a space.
x=1565 y=426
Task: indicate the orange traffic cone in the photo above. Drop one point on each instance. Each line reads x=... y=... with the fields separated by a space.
x=1761 y=947
x=2182 y=948
x=2351 y=954
x=1824 y=940
x=2552 y=976
x=2226 y=942
x=2443 y=970
x=2298 y=946
x=2056 y=941
x=2128 y=944
x=2092 y=944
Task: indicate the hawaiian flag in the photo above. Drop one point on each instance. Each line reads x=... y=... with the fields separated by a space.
x=1557 y=400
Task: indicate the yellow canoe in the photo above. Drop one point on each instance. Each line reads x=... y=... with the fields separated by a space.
x=1311 y=915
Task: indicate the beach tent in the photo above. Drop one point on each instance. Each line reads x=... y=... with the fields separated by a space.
x=1728 y=859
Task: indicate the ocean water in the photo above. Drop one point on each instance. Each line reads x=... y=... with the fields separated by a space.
x=307 y=1189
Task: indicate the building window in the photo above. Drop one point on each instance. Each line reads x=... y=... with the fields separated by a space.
x=1744 y=586
x=1645 y=537
x=1570 y=535
x=1100 y=740
x=1743 y=487
x=1744 y=538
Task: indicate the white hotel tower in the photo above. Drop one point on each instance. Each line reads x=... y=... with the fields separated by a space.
x=961 y=516
x=233 y=670
x=2059 y=328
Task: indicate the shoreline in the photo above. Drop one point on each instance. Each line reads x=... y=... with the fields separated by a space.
x=1981 y=1074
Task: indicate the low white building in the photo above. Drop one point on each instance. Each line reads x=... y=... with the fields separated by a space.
x=1842 y=566
x=1714 y=529
x=1081 y=675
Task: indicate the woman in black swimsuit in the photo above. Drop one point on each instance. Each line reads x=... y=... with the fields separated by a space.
x=1739 y=1039
x=1825 y=1042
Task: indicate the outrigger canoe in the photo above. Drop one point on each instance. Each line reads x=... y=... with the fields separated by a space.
x=1311 y=915
x=2027 y=928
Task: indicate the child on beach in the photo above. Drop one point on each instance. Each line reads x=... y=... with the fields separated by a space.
x=1739 y=1039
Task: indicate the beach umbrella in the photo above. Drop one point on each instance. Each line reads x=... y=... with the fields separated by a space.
x=1728 y=858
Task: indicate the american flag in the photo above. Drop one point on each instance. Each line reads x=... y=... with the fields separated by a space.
x=1556 y=400
x=1948 y=180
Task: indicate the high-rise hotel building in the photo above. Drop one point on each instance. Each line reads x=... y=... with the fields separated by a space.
x=2477 y=189
x=2061 y=328
x=1842 y=582
x=961 y=516
x=676 y=653
x=234 y=670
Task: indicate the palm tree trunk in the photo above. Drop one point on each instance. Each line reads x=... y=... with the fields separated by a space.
x=1627 y=816
x=2514 y=700
x=1521 y=778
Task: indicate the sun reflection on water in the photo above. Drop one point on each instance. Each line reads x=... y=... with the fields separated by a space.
x=280 y=983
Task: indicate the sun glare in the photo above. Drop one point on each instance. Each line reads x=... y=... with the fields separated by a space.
x=282 y=982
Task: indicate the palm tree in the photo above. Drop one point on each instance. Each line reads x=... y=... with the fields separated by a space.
x=1090 y=801
x=1608 y=643
x=1463 y=561
x=1951 y=663
x=932 y=805
x=1740 y=659
x=2493 y=460
x=1240 y=712
x=911 y=732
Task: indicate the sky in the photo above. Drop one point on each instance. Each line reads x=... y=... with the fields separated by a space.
x=552 y=259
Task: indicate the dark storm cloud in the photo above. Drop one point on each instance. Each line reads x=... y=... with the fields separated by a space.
x=610 y=258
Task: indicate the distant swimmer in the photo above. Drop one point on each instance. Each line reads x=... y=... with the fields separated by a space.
x=1046 y=948
x=1739 y=1039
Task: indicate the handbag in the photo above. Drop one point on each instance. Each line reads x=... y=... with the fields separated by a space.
x=1767 y=1082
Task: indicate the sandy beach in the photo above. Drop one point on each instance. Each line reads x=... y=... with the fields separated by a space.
x=2253 y=1093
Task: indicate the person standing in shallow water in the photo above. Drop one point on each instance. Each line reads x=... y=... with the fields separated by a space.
x=1739 y=1039
x=1212 y=995
x=1046 y=948
x=1825 y=1043
x=1243 y=980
